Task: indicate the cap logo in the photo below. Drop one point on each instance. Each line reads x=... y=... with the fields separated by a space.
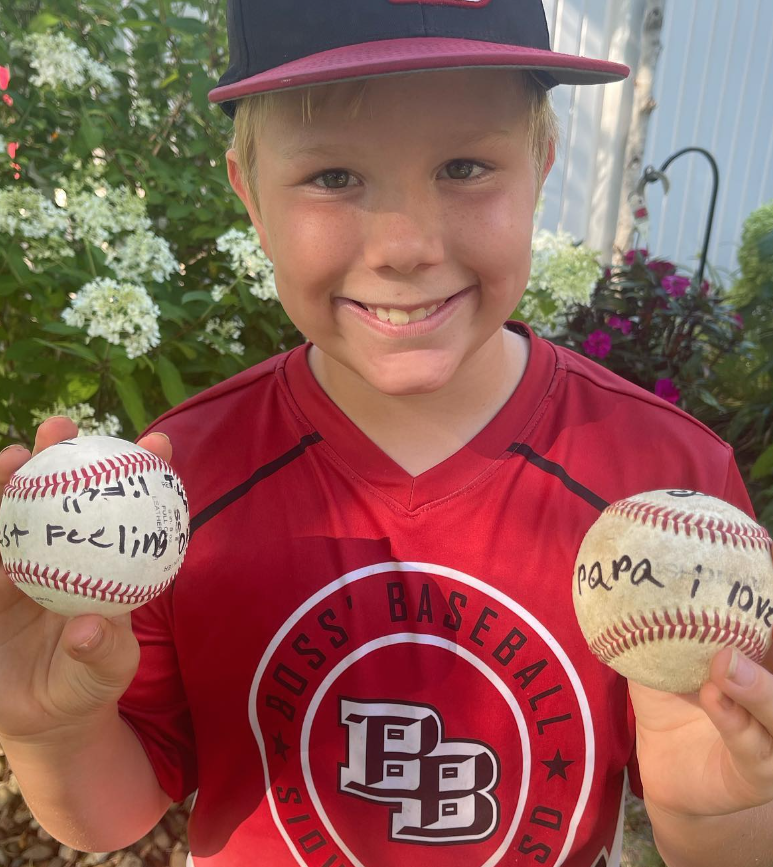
x=467 y=3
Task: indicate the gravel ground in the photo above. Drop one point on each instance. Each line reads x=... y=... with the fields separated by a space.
x=23 y=843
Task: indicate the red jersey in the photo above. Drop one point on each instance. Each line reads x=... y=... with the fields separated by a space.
x=359 y=668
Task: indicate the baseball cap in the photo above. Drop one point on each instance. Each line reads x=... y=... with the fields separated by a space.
x=287 y=44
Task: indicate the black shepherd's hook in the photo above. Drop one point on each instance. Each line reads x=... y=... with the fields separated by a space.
x=651 y=174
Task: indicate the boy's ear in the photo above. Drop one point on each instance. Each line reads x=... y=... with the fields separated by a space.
x=551 y=158
x=241 y=189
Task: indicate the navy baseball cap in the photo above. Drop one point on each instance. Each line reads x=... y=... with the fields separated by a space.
x=287 y=44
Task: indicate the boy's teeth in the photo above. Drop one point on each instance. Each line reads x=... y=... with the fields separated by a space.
x=402 y=317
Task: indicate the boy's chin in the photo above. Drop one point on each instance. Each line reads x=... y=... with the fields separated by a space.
x=406 y=379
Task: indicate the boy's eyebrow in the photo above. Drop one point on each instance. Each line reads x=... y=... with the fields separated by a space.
x=461 y=139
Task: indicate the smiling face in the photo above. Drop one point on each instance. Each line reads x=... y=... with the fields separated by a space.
x=401 y=238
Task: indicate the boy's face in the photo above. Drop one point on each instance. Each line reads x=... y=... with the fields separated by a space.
x=398 y=214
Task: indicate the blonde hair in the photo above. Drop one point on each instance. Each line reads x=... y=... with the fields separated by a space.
x=253 y=112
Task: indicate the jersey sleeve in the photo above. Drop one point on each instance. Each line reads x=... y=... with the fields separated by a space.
x=155 y=705
x=735 y=491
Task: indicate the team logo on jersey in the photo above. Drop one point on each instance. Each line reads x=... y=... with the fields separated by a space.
x=412 y=712
x=396 y=755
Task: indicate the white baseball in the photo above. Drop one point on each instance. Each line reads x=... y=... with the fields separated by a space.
x=664 y=579
x=94 y=524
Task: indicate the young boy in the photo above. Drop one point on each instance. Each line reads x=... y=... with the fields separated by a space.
x=370 y=656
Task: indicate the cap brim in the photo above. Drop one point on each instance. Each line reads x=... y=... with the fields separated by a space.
x=419 y=54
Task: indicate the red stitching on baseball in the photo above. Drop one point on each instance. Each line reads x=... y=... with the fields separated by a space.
x=684 y=522
x=619 y=637
x=75 y=584
x=26 y=487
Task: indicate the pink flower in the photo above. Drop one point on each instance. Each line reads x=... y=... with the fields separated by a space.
x=598 y=343
x=661 y=267
x=12 y=148
x=666 y=389
x=675 y=286
x=620 y=323
x=5 y=77
x=7 y=99
x=738 y=319
x=630 y=256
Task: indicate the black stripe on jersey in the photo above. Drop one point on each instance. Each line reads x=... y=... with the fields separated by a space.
x=261 y=473
x=560 y=473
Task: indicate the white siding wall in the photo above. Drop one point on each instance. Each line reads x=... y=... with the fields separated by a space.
x=714 y=89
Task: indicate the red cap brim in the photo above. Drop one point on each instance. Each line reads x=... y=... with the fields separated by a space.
x=416 y=54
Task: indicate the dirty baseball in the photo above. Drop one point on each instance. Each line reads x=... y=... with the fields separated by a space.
x=93 y=525
x=664 y=580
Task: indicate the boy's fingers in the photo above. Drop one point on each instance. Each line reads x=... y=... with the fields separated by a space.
x=159 y=444
x=11 y=459
x=52 y=431
x=743 y=714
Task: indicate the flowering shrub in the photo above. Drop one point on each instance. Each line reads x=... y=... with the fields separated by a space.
x=657 y=329
x=562 y=273
x=130 y=276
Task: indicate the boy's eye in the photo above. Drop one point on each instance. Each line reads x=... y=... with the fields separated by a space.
x=337 y=179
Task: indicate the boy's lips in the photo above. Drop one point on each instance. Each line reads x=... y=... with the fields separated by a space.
x=406 y=320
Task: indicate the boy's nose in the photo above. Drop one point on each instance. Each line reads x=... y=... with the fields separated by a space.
x=404 y=237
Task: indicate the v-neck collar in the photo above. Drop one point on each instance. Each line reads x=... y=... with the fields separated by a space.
x=347 y=444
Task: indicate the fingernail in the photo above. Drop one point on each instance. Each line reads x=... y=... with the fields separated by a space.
x=162 y=434
x=8 y=448
x=741 y=669
x=92 y=640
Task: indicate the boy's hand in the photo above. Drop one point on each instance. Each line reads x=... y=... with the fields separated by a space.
x=708 y=754
x=49 y=686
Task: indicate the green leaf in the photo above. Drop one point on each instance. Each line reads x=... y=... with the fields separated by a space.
x=90 y=133
x=188 y=351
x=765 y=246
x=763 y=466
x=42 y=22
x=171 y=382
x=141 y=24
x=186 y=25
x=172 y=311
x=131 y=398
x=197 y=295
x=59 y=328
x=709 y=399
x=79 y=387
x=71 y=349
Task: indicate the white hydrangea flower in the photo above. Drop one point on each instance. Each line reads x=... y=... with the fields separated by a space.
x=142 y=255
x=221 y=335
x=561 y=272
x=63 y=64
x=249 y=260
x=266 y=289
x=96 y=218
x=27 y=212
x=143 y=113
x=83 y=415
x=121 y=313
x=570 y=272
x=219 y=291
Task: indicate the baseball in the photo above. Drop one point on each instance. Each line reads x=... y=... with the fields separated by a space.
x=94 y=524
x=665 y=579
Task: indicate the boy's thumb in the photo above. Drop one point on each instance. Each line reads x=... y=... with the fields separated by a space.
x=107 y=647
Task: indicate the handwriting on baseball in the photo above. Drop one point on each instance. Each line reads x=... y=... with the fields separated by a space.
x=594 y=577
x=83 y=522
x=741 y=595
